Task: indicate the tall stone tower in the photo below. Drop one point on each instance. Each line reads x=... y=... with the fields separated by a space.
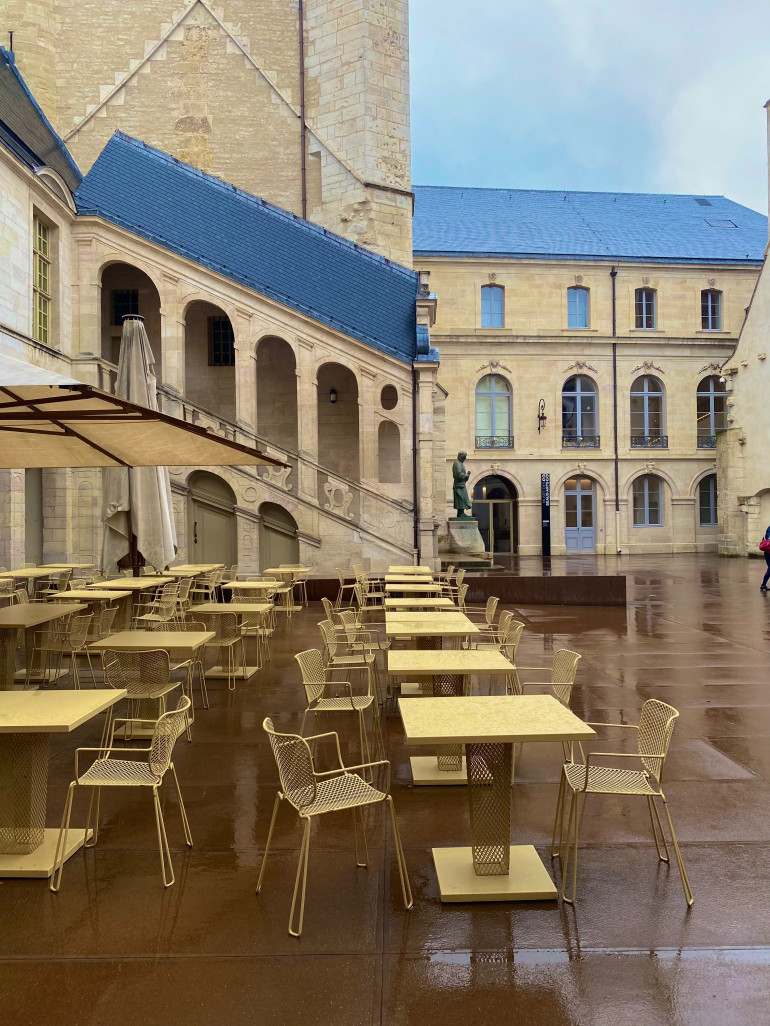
x=302 y=102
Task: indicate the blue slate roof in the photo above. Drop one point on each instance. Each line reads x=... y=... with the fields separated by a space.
x=586 y=225
x=261 y=246
x=26 y=131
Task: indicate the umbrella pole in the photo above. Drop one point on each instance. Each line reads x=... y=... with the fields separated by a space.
x=133 y=552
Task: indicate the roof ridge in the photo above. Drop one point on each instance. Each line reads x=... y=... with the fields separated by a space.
x=580 y=192
x=273 y=208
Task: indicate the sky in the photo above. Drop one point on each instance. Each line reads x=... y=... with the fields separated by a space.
x=604 y=95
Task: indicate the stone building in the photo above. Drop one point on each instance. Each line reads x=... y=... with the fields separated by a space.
x=303 y=104
x=265 y=328
x=582 y=335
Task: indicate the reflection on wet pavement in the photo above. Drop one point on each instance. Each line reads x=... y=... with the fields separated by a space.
x=114 y=947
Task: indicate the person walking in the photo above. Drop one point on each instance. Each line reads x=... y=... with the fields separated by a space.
x=766 y=554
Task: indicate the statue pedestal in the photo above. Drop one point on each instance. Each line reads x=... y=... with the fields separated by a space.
x=464 y=536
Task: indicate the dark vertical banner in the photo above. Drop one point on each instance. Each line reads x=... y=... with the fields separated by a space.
x=545 y=512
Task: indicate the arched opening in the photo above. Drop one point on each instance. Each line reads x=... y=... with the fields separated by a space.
x=495 y=505
x=711 y=410
x=648 y=414
x=494 y=413
x=209 y=359
x=211 y=528
x=388 y=453
x=707 y=501
x=127 y=290
x=338 y=420
x=278 y=539
x=580 y=514
x=579 y=413
x=277 y=393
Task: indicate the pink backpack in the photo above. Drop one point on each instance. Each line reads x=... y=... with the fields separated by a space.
x=764 y=545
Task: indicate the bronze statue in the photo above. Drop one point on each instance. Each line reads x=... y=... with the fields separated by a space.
x=460 y=499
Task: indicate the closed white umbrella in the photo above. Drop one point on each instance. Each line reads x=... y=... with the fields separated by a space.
x=137 y=500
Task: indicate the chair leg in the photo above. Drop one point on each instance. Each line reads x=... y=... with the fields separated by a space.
x=406 y=889
x=61 y=844
x=558 y=819
x=301 y=870
x=358 y=820
x=688 y=895
x=654 y=816
x=572 y=841
x=185 y=823
x=166 y=865
x=278 y=799
x=94 y=803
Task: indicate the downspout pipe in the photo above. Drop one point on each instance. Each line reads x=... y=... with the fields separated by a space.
x=302 y=125
x=415 y=492
x=613 y=276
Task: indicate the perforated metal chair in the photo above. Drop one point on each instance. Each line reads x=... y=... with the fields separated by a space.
x=348 y=586
x=181 y=660
x=144 y=675
x=318 y=684
x=112 y=769
x=228 y=639
x=162 y=609
x=58 y=582
x=484 y=617
x=312 y=793
x=68 y=638
x=346 y=651
x=654 y=732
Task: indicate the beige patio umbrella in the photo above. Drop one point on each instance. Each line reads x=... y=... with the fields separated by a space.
x=48 y=420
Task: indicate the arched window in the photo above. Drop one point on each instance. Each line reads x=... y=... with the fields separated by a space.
x=494 y=425
x=711 y=415
x=388 y=453
x=648 y=414
x=577 y=307
x=711 y=310
x=707 y=501
x=492 y=306
x=579 y=414
x=646 y=304
x=648 y=501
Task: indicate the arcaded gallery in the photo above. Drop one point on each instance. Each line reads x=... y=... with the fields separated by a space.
x=369 y=653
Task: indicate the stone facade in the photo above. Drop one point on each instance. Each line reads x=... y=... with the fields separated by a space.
x=155 y=69
x=536 y=352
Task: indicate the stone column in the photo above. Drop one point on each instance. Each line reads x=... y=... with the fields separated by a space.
x=172 y=333
x=426 y=372
x=307 y=416
x=86 y=300
x=245 y=375
x=367 y=429
x=683 y=523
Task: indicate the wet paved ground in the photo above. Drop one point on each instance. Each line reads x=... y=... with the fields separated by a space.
x=114 y=947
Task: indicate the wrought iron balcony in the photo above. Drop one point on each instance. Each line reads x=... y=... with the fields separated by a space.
x=494 y=441
x=649 y=441
x=580 y=441
x=707 y=441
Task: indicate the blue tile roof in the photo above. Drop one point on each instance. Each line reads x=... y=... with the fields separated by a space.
x=26 y=131
x=586 y=225
x=263 y=247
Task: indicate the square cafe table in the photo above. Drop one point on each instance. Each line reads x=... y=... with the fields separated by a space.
x=424 y=570
x=446 y=670
x=28 y=616
x=491 y=869
x=221 y=608
x=428 y=602
x=26 y=720
x=409 y=579
x=423 y=588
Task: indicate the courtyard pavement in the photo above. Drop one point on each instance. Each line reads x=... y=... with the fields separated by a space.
x=114 y=948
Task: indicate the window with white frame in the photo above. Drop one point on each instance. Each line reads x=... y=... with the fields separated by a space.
x=577 y=307
x=707 y=501
x=711 y=310
x=492 y=306
x=41 y=281
x=648 y=504
x=648 y=413
x=646 y=307
x=711 y=411
x=494 y=422
x=579 y=413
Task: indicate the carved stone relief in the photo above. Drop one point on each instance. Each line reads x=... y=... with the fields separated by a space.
x=340 y=498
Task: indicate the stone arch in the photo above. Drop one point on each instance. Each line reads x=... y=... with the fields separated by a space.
x=127 y=287
x=209 y=357
x=211 y=525
x=277 y=416
x=495 y=505
x=587 y=471
x=477 y=475
x=388 y=453
x=278 y=536
x=338 y=432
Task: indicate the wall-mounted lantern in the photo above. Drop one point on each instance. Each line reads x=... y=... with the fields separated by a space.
x=332 y=395
x=541 y=417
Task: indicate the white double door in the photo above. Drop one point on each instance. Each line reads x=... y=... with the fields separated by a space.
x=580 y=515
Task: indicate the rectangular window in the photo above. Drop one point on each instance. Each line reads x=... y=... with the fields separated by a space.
x=577 y=308
x=492 y=312
x=711 y=310
x=647 y=502
x=41 y=282
x=221 y=342
x=707 y=493
x=125 y=302
x=646 y=314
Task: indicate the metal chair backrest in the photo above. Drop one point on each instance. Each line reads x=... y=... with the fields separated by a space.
x=105 y=621
x=329 y=637
x=143 y=673
x=349 y=621
x=21 y=595
x=340 y=575
x=491 y=609
x=510 y=637
x=450 y=573
x=459 y=578
x=167 y=729
x=311 y=666
x=462 y=591
x=563 y=673
x=77 y=633
x=295 y=765
x=63 y=580
x=226 y=627
x=233 y=572
x=167 y=603
x=184 y=589
x=328 y=608
x=656 y=725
